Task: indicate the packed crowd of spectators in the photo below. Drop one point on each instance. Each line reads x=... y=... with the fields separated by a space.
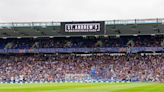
x=83 y=42
x=128 y=67
x=134 y=67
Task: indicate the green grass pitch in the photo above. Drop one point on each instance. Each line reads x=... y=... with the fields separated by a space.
x=83 y=87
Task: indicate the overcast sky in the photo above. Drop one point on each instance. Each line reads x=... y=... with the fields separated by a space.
x=76 y=10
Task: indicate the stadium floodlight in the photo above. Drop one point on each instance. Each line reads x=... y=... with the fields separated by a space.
x=135 y=35
x=152 y=34
x=35 y=37
x=118 y=36
x=19 y=37
x=67 y=36
x=51 y=36
x=96 y=36
x=4 y=37
x=84 y=36
x=105 y=35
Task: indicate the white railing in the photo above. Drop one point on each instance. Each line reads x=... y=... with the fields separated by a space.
x=28 y=24
x=109 y=22
x=135 y=21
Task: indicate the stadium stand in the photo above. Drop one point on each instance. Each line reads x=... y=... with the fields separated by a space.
x=81 y=42
x=127 y=50
x=100 y=67
x=38 y=68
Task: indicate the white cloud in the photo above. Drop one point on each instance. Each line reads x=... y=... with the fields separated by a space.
x=68 y=10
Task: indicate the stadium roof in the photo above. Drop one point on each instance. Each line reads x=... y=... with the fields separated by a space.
x=53 y=29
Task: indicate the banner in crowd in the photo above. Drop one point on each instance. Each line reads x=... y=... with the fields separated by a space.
x=84 y=50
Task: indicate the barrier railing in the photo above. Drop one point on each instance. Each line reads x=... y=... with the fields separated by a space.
x=108 y=22
x=136 y=21
x=28 y=24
